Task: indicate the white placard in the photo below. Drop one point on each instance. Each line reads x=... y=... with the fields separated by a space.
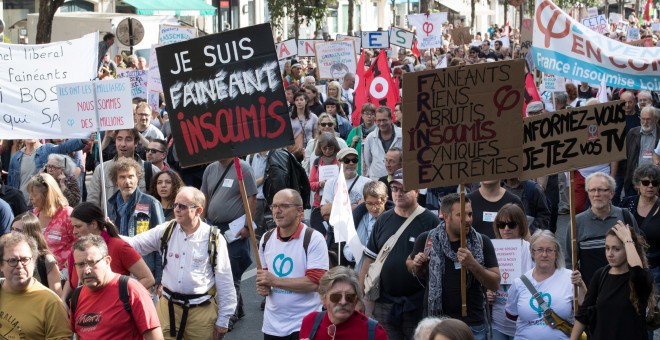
x=633 y=34
x=169 y=34
x=29 y=75
x=113 y=102
x=335 y=59
x=597 y=24
x=154 y=85
x=328 y=172
x=554 y=83
x=655 y=27
x=286 y=49
x=138 y=80
x=375 y=39
x=506 y=42
x=615 y=18
x=509 y=259
x=428 y=28
x=307 y=48
x=622 y=27
x=357 y=41
x=592 y=11
x=401 y=37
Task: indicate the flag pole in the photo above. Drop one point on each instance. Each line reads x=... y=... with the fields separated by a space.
x=248 y=212
x=463 y=245
x=571 y=199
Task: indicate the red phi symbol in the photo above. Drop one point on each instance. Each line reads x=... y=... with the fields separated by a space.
x=505 y=276
x=427 y=27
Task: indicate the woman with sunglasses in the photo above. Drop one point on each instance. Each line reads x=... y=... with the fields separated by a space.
x=325 y=123
x=510 y=224
x=45 y=269
x=326 y=151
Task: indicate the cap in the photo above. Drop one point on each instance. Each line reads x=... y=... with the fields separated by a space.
x=345 y=152
x=534 y=107
x=398 y=176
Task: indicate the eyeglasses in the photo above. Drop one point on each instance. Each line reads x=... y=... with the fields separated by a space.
x=327 y=124
x=502 y=225
x=154 y=151
x=327 y=147
x=398 y=189
x=646 y=182
x=85 y=264
x=544 y=251
x=369 y=113
x=13 y=262
x=52 y=167
x=598 y=190
x=349 y=297
x=283 y=206
x=180 y=206
x=350 y=160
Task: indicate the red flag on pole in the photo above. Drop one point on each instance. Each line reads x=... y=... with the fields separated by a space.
x=415 y=50
x=380 y=89
x=647 y=10
x=360 y=93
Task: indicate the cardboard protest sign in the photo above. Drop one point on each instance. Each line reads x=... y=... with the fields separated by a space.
x=286 y=49
x=225 y=96
x=306 y=47
x=597 y=24
x=335 y=59
x=553 y=83
x=375 y=39
x=357 y=41
x=461 y=35
x=509 y=257
x=401 y=37
x=573 y=139
x=564 y=47
x=154 y=85
x=526 y=36
x=633 y=34
x=28 y=78
x=428 y=28
x=78 y=107
x=458 y=124
x=138 y=80
x=169 y=34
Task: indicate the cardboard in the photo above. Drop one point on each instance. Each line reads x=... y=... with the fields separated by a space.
x=459 y=124
x=335 y=59
x=526 y=36
x=573 y=139
x=552 y=83
x=461 y=35
x=597 y=24
x=224 y=105
x=357 y=41
x=428 y=28
x=633 y=34
x=138 y=80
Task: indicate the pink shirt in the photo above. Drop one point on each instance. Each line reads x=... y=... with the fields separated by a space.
x=59 y=235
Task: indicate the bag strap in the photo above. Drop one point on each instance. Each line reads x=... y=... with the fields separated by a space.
x=222 y=178
x=307 y=238
x=124 y=295
x=317 y=322
x=534 y=292
x=371 y=325
x=73 y=303
x=353 y=184
x=148 y=174
x=627 y=216
x=165 y=239
x=387 y=247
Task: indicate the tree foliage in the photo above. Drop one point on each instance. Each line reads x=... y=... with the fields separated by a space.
x=301 y=12
x=47 y=9
x=565 y=4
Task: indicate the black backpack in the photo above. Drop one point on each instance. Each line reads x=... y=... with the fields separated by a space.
x=124 y=296
x=283 y=171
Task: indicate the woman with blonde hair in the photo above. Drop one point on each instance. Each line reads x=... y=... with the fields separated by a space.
x=54 y=214
x=334 y=91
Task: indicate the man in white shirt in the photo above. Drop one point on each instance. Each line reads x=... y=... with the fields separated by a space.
x=190 y=281
x=378 y=142
x=354 y=182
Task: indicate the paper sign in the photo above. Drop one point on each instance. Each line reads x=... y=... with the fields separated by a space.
x=402 y=38
x=138 y=80
x=506 y=42
x=335 y=59
x=328 y=172
x=458 y=124
x=573 y=139
x=633 y=34
x=223 y=105
x=597 y=24
x=286 y=49
x=592 y=11
x=169 y=34
x=78 y=108
x=428 y=28
x=622 y=27
x=615 y=18
x=655 y=27
x=357 y=41
x=154 y=85
x=509 y=258
x=461 y=35
x=526 y=36
x=28 y=78
x=306 y=47
x=554 y=83
x=375 y=39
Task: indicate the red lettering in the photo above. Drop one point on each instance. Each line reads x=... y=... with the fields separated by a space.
x=196 y=133
x=283 y=50
x=224 y=139
x=611 y=58
x=577 y=42
x=271 y=112
x=185 y=133
x=210 y=127
x=595 y=53
x=262 y=115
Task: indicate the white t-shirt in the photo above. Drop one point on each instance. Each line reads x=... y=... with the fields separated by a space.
x=285 y=309
x=500 y=321
x=557 y=290
x=355 y=193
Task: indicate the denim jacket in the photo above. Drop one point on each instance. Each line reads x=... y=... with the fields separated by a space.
x=145 y=213
x=40 y=158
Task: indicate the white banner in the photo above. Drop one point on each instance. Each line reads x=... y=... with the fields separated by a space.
x=428 y=28
x=335 y=59
x=564 y=47
x=113 y=102
x=138 y=80
x=169 y=34
x=29 y=75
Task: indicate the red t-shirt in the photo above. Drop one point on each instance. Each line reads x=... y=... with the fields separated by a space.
x=122 y=256
x=355 y=327
x=101 y=314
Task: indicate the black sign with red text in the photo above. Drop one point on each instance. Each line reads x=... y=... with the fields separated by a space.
x=225 y=95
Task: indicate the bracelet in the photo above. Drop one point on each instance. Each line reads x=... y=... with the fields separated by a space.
x=630 y=241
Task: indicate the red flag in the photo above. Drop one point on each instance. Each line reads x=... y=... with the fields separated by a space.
x=647 y=10
x=531 y=93
x=415 y=50
x=507 y=29
x=380 y=88
x=360 y=93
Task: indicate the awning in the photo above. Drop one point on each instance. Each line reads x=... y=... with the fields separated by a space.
x=172 y=7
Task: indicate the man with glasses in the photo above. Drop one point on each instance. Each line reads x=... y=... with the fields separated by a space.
x=437 y=259
x=29 y=309
x=354 y=181
x=294 y=260
x=592 y=225
x=198 y=295
x=157 y=153
x=640 y=144
x=398 y=306
x=99 y=308
x=379 y=142
x=143 y=122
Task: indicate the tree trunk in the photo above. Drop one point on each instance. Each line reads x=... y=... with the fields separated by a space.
x=424 y=5
x=351 y=12
x=296 y=19
x=506 y=11
x=473 y=4
x=638 y=11
x=47 y=9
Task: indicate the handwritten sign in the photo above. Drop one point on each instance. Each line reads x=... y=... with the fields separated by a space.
x=376 y=39
x=597 y=24
x=306 y=47
x=458 y=124
x=169 y=34
x=357 y=41
x=428 y=28
x=335 y=59
x=154 y=85
x=328 y=172
x=461 y=35
x=615 y=18
x=526 y=36
x=509 y=258
x=29 y=75
x=554 y=83
x=138 y=80
x=633 y=34
x=573 y=139
x=286 y=49
x=78 y=108
x=401 y=37
x=225 y=101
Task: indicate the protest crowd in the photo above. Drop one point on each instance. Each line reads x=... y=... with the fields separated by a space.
x=124 y=234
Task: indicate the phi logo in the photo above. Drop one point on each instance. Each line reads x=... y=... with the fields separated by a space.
x=548 y=30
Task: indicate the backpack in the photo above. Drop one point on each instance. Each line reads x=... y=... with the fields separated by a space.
x=124 y=296
x=283 y=171
x=212 y=247
x=332 y=256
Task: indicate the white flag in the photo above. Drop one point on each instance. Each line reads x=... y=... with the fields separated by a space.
x=602 y=92
x=341 y=218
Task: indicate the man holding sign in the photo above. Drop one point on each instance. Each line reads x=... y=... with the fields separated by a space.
x=437 y=257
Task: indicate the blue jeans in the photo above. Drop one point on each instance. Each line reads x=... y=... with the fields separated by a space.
x=497 y=335
x=479 y=331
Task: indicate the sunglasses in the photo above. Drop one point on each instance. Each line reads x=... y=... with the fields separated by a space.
x=350 y=160
x=349 y=297
x=646 y=182
x=326 y=124
x=154 y=151
x=502 y=225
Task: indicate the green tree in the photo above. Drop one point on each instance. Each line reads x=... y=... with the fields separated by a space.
x=302 y=12
x=47 y=9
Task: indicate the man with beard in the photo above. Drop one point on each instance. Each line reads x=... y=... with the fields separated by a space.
x=97 y=307
x=640 y=143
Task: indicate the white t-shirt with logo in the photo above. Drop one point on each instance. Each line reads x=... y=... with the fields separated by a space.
x=557 y=290
x=285 y=309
